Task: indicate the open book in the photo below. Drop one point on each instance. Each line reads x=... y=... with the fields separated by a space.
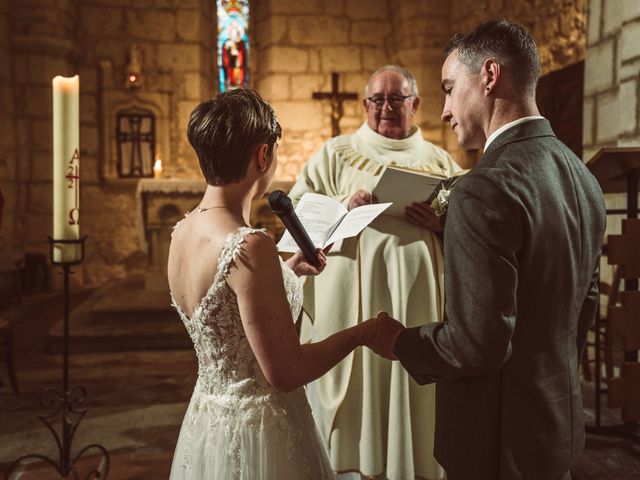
x=328 y=221
x=404 y=187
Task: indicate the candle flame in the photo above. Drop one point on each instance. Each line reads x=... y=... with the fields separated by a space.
x=157 y=168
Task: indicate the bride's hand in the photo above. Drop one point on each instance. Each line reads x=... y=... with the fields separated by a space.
x=385 y=334
x=368 y=332
x=301 y=266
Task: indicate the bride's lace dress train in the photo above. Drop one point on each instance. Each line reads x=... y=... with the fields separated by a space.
x=237 y=426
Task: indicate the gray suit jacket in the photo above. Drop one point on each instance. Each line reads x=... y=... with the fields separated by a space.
x=521 y=247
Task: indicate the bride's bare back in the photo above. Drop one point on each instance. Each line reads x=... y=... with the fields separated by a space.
x=196 y=244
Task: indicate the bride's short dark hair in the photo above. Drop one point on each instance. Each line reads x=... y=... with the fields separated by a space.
x=226 y=130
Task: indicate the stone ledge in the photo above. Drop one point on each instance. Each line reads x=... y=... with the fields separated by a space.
x=122 y=315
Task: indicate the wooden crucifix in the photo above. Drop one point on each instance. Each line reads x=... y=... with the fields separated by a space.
x=336 y=99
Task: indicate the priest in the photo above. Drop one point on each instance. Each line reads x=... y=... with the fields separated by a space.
x=375 y=419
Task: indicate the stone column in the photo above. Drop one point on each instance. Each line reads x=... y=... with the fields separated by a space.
x=8 y=185
x=43 y=38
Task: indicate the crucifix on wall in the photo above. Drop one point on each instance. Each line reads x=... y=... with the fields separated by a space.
x=336 y=99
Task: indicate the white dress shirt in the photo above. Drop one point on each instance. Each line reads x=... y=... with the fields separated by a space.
x=506 y=127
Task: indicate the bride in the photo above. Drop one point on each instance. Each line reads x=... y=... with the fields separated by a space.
x=248 y=417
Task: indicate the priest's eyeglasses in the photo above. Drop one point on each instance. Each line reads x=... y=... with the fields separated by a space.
x=394 y=101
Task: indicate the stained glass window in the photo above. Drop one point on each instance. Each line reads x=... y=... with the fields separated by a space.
x=233 y=43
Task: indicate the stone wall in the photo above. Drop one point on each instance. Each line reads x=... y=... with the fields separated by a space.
x=43 y=37
x=297 y=44
x=68 y=37
x=612 y=88
x=558 y=27
x=420 y=30
x=612 y=76
x=177 y=44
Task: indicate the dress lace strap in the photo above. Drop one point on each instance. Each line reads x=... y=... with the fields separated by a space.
x=230 y=250
x=173 y=229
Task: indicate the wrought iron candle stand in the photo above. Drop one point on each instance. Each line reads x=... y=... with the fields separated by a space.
x=66 y=403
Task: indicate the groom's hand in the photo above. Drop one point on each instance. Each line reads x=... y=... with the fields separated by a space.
x=386 y=335
x=424 y=216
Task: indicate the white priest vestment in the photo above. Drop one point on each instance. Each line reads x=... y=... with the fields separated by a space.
x=375 y=418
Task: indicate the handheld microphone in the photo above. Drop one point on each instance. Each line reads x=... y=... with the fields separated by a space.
x=281 y=205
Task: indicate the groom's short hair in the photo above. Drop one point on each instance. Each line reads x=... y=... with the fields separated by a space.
x=510 y=44
x=226 y=130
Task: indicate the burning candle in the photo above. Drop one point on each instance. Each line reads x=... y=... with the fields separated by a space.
x=157 y=168
x=66 y=167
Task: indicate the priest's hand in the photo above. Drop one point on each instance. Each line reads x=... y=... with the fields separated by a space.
x=424 y=216
x=301 y=266
x=361 y=197
x=387 y=332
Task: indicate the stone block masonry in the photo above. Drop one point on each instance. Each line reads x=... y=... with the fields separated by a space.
x=296 y=45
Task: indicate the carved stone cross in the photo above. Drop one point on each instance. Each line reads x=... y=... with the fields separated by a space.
x=336 y=98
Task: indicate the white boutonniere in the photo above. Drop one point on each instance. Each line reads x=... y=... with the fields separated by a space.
x=441 y=202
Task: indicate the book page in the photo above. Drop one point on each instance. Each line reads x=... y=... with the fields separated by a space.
x=404 y=187
x=356 y=220
x=318 y=214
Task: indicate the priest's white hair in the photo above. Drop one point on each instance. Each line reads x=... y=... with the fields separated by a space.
x=413 y=85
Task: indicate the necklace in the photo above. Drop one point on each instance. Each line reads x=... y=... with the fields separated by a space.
x=204 y=209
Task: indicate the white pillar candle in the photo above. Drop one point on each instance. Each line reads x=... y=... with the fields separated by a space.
x=66 y=167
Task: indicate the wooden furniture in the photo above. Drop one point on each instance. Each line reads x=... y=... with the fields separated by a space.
x=624 y=390
x=610 y=292
x=618 y=171
x=6 y=352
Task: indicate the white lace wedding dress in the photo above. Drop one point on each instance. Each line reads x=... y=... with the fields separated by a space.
x=237 y=426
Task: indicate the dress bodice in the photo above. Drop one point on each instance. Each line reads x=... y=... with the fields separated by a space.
x=237 y=426
x=226 y=363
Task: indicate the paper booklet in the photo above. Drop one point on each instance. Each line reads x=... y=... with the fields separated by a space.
x=328 y=221
x=404 y=187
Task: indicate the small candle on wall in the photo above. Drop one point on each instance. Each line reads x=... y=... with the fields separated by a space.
x=66 y=167
x=157 y=168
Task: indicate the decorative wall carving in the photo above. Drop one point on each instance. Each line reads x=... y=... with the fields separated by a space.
x=112 y=100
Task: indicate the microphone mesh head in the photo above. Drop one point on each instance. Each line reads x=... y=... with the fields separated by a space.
x=279 y=201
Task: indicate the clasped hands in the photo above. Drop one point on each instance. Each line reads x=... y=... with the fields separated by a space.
x=383 y=334
x=418 y=213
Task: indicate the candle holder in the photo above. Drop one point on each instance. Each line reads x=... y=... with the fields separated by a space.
x=66 y=403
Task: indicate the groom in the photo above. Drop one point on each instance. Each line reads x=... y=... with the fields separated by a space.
x=521 y=246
